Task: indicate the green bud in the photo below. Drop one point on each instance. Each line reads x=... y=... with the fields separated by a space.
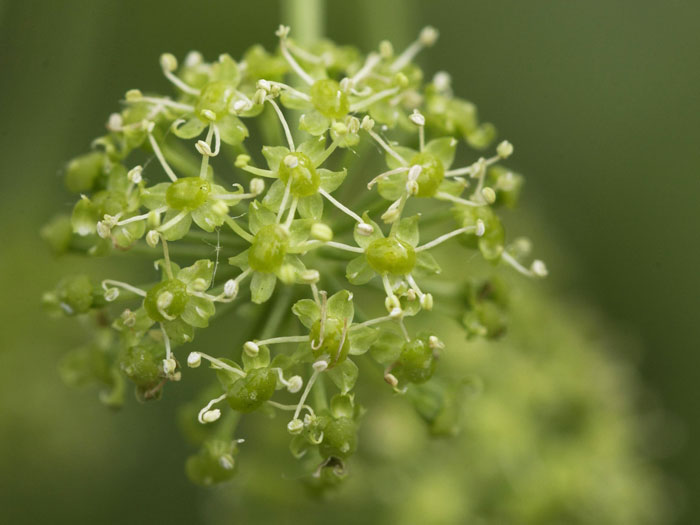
x=298 y=167
x=431 y=174
x=143 y=364
x=58 y=233
x=330 y=343
x=249 y=393
x=416 y=364
x=187 y=194
x=214 y=463
x=268 y=249
x=391 y=255
x=168 y=297
x=329 y=99
x=215 y=97
x=339 y=438
x=83 y=171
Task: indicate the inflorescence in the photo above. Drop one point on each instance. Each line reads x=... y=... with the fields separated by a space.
x=284 y=222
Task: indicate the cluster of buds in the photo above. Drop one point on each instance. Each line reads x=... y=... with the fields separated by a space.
x=298 y=232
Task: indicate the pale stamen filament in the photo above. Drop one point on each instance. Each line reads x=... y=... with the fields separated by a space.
x=238 y=229
x=289 y=89
x=205 y=157
x=287 y=132
x=180 y=84
x=345 y=247
x=110 y=282
x=362 y=104
x=292 y=211
x=282 y=340
x=137 y=218
x=314 y=344
x=386 y=147
x=449 y=197
x=447 y=236
x=165 y=102
x=161 y=158
x=166 y=340
x=379 y=177
x=372 y=60
x=200 y=416
x=293 y=63
x=285 y=198
x=290 y=407
x=340 y=206
x=305 y=394
x=220 y=364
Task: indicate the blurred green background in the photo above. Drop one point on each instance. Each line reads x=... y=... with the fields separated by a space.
x=599 y=97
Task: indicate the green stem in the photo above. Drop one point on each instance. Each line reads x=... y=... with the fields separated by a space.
x=306 y=18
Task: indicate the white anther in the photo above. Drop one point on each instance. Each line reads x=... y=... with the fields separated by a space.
x=103 y=230
x=231 y=288
x=411 y=295
x=241 y=105
x=442 y=81
x=251 y=349
x=396 y=312
x=295 y=426
x=291 y=161
x=414 y=171
x=257 y=186
x=435 y=343
x=133 y=95
x=310 y=276
x=193 y=58
x=488 y=194
x=365 y=229
x=412 y=188
x=203 y=148
x=428 y=36
x=152 y=238
x=134 y=174
x=211 y=415
x=168 y=62
x=128 y=318
x=111 y=294
x=480 y=228
x=426 y=302
x=353 y=125
x=321 y=232
x=320 y=365
x=386 y=49
x=264 y=85
x=504 y=149
x=242 y=161
x=208 y=114
x=282 y=31
x=417 y=118
x=391 y=379
x=367 y=123
x=169 y=366
x=294 y=384
x=164 y=300
x=115 y=122
x=259 y=97
x=346 y=84
x=539 y=268
x=194 y=359
x=392 y=303
x=226 y=462
x=288 y=274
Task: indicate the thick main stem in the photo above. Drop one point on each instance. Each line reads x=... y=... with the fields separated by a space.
x=306 y=18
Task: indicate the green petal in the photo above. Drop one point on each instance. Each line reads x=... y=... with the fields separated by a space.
x=407 y=230
x=358 y=271
x=232 y=130
x=261 y=286
x=311 y=207
x=365 y=240
x=307 y=311
x=444 y=149
x=189 y=129
x=340 y=306
x=344 y=375
x=314 y=123
x=331 y=180
x=198 y=311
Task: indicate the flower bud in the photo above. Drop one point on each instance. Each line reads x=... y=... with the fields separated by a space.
x=353 y=125
x=442 y=81
x=103 y=230
x=504 y=149
x=401 y=80
x=193 y=58
x=251 y=348
x=434 y=343
x=321 y=232
x=367 y=123
x=194 y=359
x=208 y=114
x=128 y=318
x=339 y=128
x=288 y=274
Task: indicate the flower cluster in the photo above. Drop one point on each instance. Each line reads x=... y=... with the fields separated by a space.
x=160 y=182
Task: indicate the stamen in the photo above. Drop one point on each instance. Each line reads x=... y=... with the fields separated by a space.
x=161 y=158
x=370 y=63
x=109 y=282
x=449 y=197
x=282 y=33
x=287 y=132
x=362 y=104
x=376 y=179
x=386 y=146
x=479 y=228
x=344 y=208
x=345 y=247
x=428 y=36
x=206 y=415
